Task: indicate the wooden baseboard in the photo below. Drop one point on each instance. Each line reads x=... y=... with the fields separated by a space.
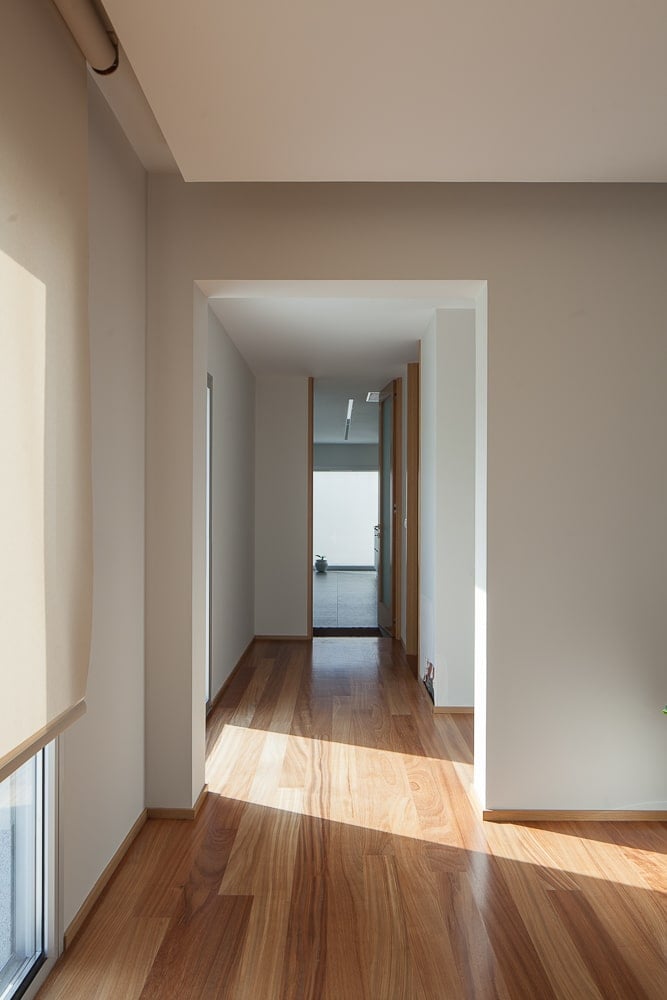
x=192 y=813
x=574 y=815
x=453 y=710
x=215 y=701
x=99 y=887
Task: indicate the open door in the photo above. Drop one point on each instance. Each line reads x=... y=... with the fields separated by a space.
x=389 y=509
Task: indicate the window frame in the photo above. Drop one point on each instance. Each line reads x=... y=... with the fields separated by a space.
x=34 y=971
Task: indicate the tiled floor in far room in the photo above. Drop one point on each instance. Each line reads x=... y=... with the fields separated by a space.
x=345 y=599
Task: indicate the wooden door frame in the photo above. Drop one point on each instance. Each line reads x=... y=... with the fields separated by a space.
x=397 y=478
x=394 y=388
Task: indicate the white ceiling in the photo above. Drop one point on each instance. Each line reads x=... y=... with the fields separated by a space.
x=381 y=90
x=323 y=337
x=330 y=401
x=368 y=329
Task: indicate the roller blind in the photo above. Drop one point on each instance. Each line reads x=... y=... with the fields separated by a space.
x=45 y=519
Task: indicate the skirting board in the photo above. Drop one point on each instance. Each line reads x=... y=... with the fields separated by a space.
x=181 y=813
x=225 y=684
x=101 y=884
x=574 y=815
x=453 y=710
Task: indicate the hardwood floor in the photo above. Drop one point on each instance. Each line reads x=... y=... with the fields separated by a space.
x=338 y=856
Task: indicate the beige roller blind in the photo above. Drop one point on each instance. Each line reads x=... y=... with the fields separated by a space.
x=45 y=520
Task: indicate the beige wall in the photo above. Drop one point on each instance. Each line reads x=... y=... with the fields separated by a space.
x=103 y=774
x=577 y=484
x=233 y=488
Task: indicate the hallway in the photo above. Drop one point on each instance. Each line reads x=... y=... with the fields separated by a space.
x=338 y=856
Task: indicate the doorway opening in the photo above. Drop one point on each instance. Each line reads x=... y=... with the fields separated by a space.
x=401 y=328
x=354 y=508
x=345 y=505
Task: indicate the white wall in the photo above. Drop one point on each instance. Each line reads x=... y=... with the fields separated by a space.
x=481 y=460
x=577 y=475
x=454 y=407
x=428 y=394
x=103 y=774
x=281 y=505
x=233 y=487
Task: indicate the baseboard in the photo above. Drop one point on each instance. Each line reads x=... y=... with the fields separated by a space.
x=351 y=569
x=574 y=815
x=192 y=813
x=283 y=638
x=411 y=656
x=453 y=710
x=215 y=701
x=101 y=884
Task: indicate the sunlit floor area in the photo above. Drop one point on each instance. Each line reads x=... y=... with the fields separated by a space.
x=345 y=599
x=339 y=856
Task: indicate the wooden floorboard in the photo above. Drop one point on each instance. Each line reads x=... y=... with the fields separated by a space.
x=338 y=857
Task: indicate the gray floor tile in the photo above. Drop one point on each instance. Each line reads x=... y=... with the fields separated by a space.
x=345 y=599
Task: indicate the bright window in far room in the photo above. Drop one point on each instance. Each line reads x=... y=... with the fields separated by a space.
x=345 y=512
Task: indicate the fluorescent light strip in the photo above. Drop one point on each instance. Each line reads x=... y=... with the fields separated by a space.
x=350 y=404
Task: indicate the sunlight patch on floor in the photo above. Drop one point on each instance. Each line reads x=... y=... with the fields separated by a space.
x=394 y=793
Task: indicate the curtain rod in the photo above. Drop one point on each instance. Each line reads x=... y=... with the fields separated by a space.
x=98 y=45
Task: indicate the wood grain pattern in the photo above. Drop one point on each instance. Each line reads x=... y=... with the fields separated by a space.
x=338 y=856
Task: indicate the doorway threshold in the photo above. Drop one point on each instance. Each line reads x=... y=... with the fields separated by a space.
x=371 y=633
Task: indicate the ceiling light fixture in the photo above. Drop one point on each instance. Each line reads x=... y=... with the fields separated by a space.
x=350 y=404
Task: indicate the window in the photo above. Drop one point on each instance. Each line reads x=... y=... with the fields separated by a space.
x=345 y=512
x=22 y=939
